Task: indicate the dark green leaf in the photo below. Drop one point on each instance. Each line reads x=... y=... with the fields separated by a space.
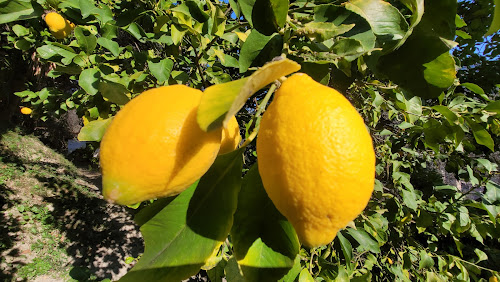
x=15 y=10
x=161 y=69
x=114 y=92
x=109 y=44
x=476 y=89
x=493 y=107
x=386 y=21
x=339 y=15
x=346 y=247
x=481 y=135
x=259 y=49
x=495 y=23
x=423 y=65
x=266 y=16
x=182 y=236
x=94 y=130
x=364 y=239
x=89 y=80
x=319 y=72
x=410 y=199
x=87 y=42
x=264 y=242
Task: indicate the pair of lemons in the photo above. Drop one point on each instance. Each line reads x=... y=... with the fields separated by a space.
x=315 y=155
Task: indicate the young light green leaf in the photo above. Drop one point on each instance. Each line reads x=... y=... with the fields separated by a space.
x=94 y=130
x=305 y=276
x=109 y=44
x=426 y=261
x=114 y=92
x=89 y=80
x=264 y=242
x=161 y=69
x=365 y=241
x=182 y=236
x=220 y=102
x=293 y=273
x=87 y=42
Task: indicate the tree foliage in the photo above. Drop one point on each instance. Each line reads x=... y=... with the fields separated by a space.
x=434 y=214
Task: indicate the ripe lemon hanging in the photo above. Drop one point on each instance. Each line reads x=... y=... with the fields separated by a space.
x=154 y=146
x=26 y=111
x=316 y=159
x=58 y=25
x=231 y=137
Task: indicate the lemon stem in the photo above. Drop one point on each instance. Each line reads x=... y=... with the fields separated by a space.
x=257 y=117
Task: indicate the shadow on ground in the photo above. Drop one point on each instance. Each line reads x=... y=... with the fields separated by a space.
x=96 y=235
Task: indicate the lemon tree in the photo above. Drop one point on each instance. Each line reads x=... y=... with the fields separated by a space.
x=387 y=100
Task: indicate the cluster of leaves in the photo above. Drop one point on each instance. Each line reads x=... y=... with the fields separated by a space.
x=390 y=58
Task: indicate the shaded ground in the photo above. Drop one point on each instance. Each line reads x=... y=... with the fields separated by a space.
x=54 y=224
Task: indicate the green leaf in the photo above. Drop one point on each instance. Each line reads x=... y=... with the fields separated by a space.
x=94 y=130
x=52 y=51
x=364 y=239
x=386 y=21
x=346 y=247
x=102 y=12
x=293 y=273
x=221 y=102
x=110 y=45
x=423 y=65
x=321 y=31
x=182 y=236
x=259 y=49
x=305 y=276
x=89 y=80
x=161 y=69
x=495 y=23
x=481 y=135
x=459 y=22
x=476 y=89
x=317 y=71
x=20 y=30
x=264 y=242
x=426 y=261
x=493 y=107
x=492 y=194
x=114 y=92
x=463 y=34
x=410 y=199
x=16 y=10
x=136 y=31
x=450 y=116
x=440 y=72
x=481 y=256
x=87 y=42
x=339 y=15
x=233 y=272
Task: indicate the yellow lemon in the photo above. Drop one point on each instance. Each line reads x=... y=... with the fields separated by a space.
x=154 y=146
x=59 y=26
x=231 y=137
x=26 y=111
x=316 y=159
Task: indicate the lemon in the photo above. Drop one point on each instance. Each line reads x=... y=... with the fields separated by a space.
x=58 y=25
x=316 y=159
x=26 y=111
x=154 y=146
x=231 y=137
